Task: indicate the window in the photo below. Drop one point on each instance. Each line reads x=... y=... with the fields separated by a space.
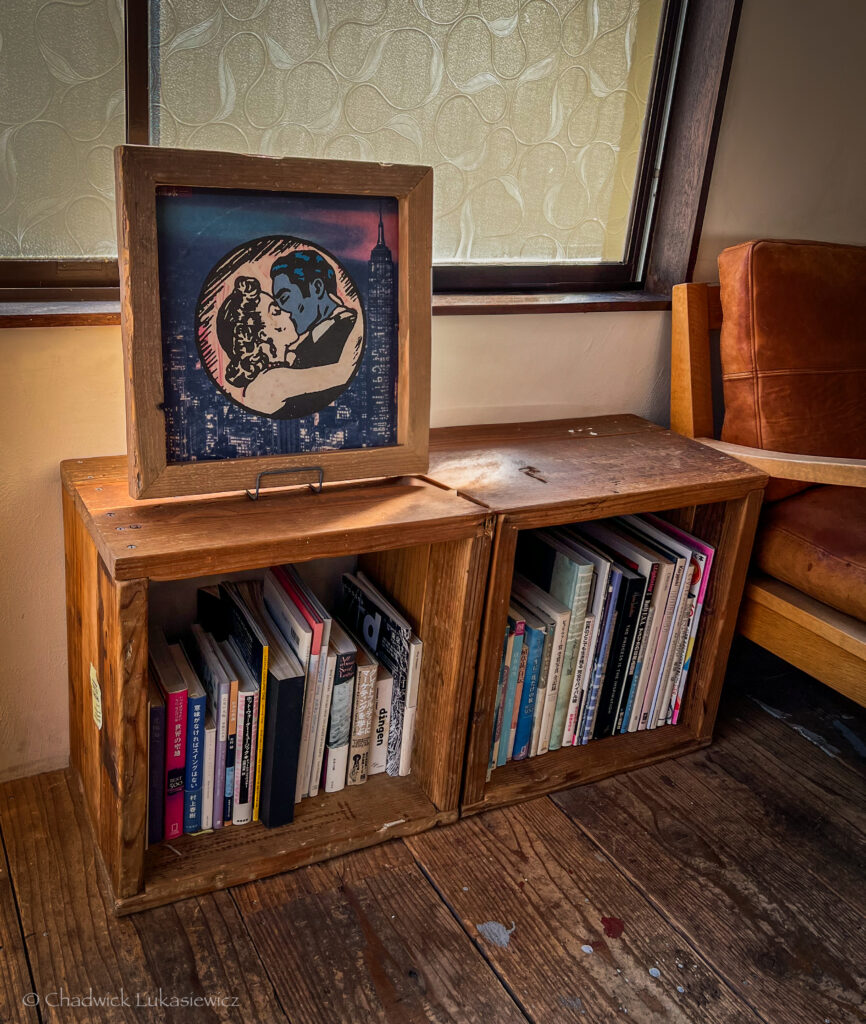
x=543 y=119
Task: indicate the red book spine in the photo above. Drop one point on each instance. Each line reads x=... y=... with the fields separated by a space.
x=175 y=762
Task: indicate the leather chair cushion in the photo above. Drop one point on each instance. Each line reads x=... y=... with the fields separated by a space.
x=816 y=541
x=793 y=349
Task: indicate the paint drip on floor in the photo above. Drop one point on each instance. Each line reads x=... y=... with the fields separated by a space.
x=613 y=927
x=496 y=933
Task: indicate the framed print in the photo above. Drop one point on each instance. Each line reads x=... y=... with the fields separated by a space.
x=275 y=317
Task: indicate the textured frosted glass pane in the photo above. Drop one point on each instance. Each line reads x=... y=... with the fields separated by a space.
x=530 y=112
x=61 y=114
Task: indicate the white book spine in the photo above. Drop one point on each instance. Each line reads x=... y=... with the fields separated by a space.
x=310 y=682
x=335 y=768
x=318 y=743
x=559 y=640
x=407 y=741
x=363 y=708
x=665 y=708
x=208 y=777
x=578 y=684
x=653 y=628
x=659 y=658
x=381 y=723
x=663 y=690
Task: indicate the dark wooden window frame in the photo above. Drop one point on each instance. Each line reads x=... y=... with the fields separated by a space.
x=665 y=222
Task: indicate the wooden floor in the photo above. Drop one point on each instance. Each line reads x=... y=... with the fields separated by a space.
x=727 y=886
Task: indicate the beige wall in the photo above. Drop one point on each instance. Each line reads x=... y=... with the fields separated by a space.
x=789 y=163
x=792 y=149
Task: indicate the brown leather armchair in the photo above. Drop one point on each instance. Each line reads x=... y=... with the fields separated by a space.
x=792 y=348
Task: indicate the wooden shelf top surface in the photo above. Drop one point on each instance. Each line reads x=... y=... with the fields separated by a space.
x=177 y=538
x=584 y=464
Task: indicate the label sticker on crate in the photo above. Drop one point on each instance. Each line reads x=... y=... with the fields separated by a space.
x=96 y=694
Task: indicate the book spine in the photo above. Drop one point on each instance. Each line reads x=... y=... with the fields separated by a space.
x=518 y=697
x=322 y=727
x=679 y=652
x=632 y=591
x=231 y=753
x=662 y=644
x=222 y=733
x=634 y=669
x=175 y=751
x=389 y=643
x=534 y=647
x=602 y=653
x=310 y=682
x=259 y=736
x=407 y=741
x=499 y=713
x=560 y=637
x=500 y=690
x=281 y=748
x=208 y=775
x=577 y=688
x=193 y=795
x=541 y=692
x=362 y=724
x=704 y=564
x=339 y=733
x=510 y=690
x=156 y=775
x=242 y=810
x=662 y=689
x=379 y=739
x=575 y=597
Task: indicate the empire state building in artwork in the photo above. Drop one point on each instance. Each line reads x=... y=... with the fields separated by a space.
x=381 y=358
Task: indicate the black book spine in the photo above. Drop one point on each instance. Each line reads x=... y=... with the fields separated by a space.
x=284 y=714
x=156 y=776
x=535 y=560
x=625 y=702
x=628 y=610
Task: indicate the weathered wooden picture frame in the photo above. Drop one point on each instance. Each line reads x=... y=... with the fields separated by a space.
x=201 y=348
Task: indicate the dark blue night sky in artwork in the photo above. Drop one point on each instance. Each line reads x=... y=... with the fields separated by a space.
x=196 y=229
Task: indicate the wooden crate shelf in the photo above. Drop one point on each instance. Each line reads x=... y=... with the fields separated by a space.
x=425 y=545
x=548 y=474
x=443 y=547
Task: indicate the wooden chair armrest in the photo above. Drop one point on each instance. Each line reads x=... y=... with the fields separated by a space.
x=813 y=469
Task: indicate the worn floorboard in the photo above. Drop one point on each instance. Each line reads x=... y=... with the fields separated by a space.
x=366 y=938
x=194 y=955
x=735 y=875
x=567 y=933
x=15 y=981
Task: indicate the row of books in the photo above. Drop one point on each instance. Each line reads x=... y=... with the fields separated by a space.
x=268 y=698
x=601 y=625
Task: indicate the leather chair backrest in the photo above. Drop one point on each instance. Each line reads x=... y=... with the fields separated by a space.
x=793 y=349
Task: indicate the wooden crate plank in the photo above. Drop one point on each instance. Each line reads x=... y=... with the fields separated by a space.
x=588 y=471
x=777 y=933
x=571 y=766
x=107 y=658
x=197 y=948
x=15 y=981
x=366 y=938
x=325 y=826
x=179 y=538
x=442 y=599
x=537 y=896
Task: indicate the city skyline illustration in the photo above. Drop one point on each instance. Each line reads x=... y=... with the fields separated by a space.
x=196 y=229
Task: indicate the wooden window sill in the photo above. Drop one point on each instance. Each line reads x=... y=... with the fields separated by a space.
x=101 y=314
x=464 y=304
